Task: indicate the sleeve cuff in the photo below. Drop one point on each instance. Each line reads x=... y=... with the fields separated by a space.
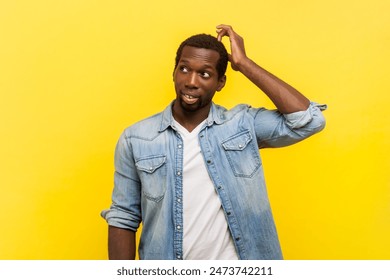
x=301 y=118
x=119 y=219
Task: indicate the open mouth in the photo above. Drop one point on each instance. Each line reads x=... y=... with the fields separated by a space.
x=189 y=99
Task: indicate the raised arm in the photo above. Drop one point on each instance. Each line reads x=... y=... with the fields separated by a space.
x=286 y=98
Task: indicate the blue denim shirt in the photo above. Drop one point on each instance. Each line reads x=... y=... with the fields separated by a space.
x=149 y=184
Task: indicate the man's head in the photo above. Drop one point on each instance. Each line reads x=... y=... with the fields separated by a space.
x=205 y=41
x=201 y=63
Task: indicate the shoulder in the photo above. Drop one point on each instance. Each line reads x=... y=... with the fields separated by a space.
x=240 y=110
x=147 y=128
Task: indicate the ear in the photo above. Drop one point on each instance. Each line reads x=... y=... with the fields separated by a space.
x=221 y=83
x=173 y=74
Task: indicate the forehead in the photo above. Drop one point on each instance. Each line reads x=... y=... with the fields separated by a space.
x=199 y=56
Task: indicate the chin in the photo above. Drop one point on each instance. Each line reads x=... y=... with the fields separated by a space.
x=189 y=108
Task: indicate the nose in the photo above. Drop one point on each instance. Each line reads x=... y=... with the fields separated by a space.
x=192 y=80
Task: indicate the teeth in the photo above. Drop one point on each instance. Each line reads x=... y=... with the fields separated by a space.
x=188 y=96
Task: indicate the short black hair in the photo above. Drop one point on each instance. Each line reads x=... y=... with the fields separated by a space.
x=205 y=41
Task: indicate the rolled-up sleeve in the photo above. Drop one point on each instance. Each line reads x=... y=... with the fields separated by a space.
x=125 y=210
x=274 y=129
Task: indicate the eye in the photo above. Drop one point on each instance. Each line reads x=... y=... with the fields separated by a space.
x=205 y=75
x=183 y=69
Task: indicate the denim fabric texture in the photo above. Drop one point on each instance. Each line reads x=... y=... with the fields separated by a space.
x=148 y=176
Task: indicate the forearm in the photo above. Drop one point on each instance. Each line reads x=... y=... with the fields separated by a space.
x=121 y=244
x=286 y=98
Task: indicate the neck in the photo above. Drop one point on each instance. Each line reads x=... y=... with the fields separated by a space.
x=189 y=120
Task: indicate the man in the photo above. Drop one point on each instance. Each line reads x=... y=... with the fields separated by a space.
x=192 y=174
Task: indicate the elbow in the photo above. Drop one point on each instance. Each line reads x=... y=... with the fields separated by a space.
x=319 y=122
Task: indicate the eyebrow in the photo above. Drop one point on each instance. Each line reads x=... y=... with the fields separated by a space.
x=206 y=65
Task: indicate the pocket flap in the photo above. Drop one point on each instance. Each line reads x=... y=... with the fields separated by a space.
x=237 y=142
x=151 y=163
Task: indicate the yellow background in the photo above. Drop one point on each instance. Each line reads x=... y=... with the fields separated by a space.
x=74 y=74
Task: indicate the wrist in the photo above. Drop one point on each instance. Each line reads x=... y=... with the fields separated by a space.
x=244 y=64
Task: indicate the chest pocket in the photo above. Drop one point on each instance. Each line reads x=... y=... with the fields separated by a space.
x=152 y=171
x=242 y=154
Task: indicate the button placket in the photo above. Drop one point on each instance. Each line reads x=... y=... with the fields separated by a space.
x=178 y=222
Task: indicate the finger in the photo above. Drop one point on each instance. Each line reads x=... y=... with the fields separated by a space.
x=224 y=26
x=221 y=33
x=228 y=30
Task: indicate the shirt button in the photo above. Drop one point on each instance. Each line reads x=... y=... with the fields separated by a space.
x=240 y=146
x=150 y=168
x=201 y=135
x=178 y=257
x=178 y=173
x=228 y=213
x=238 y=238
x=178 y=227
x=209 y=161
x=179 y=200
x=219 y=187
x=179 y=146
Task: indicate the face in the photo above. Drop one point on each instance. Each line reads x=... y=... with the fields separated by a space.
x=196 y=80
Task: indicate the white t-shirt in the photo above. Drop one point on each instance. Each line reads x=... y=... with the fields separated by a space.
x=205 y=230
